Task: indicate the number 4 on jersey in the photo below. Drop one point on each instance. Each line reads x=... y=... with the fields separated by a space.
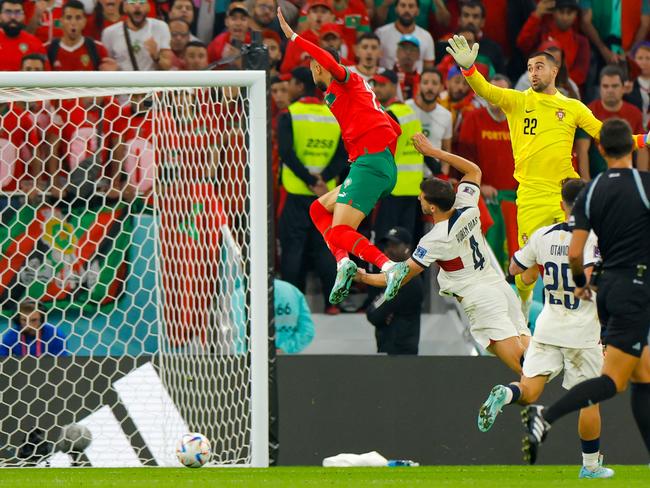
x=479 y=260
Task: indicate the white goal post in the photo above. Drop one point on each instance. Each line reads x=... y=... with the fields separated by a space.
x=139 y=380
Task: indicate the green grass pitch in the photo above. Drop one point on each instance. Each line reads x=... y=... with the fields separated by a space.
x=434 y=476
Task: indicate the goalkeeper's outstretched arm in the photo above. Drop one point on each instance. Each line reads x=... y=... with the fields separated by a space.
x=472 y=173
x=465 y=57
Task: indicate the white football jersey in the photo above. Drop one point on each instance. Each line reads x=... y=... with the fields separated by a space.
x=457 y=245
x=564 y=321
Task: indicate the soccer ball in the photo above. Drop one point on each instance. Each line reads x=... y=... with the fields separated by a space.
x=193 y=450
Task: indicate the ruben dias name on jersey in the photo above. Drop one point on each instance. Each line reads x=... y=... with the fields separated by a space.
x=457 y=245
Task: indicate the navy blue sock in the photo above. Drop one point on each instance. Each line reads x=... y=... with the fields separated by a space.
x=516 y=393
x=582 y=395
x=590 y=447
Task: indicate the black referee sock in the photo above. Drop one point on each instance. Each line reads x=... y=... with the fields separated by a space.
x=640 y=399
x=587 y=393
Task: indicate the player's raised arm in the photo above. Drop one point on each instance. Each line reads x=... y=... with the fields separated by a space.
x=322 y=57
x=465 y=58
x=471 y=172
x=591 y=125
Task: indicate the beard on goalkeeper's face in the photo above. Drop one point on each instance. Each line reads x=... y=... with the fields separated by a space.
x=12 y=28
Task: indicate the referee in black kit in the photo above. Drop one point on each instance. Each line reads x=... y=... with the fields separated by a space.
x=616 y=207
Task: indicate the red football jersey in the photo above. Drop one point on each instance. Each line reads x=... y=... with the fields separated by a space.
x=16 y=135
x=14 y=48
x=135 y=132
x=49 y=26
x=77 y=58
x=365 y=127
x=78 y=128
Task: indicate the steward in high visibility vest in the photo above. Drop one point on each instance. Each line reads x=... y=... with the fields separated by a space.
x=409 y=161
x=401 y=207
x=316 y=135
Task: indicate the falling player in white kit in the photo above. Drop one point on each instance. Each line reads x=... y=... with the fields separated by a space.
x=457 y=245
x=567 y=332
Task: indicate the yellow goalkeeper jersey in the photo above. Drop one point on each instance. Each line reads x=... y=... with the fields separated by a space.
x=542 y=129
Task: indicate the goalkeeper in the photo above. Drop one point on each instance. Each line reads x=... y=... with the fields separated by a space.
x=370 y=138
x=542 y=125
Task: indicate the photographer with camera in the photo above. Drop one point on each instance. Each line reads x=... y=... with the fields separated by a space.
x=228 y=44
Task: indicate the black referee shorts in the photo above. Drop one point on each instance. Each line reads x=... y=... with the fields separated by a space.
x=623 y=303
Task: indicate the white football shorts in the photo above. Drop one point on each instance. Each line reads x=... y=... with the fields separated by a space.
x=578 y=364
x=494 y=313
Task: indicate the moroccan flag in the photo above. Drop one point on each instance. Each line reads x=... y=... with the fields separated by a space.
x=190 y=218
x=74 y=259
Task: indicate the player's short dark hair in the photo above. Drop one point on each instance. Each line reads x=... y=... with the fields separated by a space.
x=473 y=4
x=368 y=36
x=74 y=5
x=612 y=70
x=545 y=54
x=334 y=53
x=467 y=28
x=179 y=19
x=432 y=70
x=439 y=193
x=616 y=138
x=195 y=44
x=571 y=188
x=33 y=57
x=500 y=77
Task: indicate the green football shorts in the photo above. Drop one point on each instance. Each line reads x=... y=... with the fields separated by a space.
x=371 y=177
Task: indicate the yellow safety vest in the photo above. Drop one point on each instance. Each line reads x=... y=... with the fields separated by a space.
x=409 y=161
x=316 y=135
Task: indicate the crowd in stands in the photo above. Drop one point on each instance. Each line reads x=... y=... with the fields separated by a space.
x=397 y=46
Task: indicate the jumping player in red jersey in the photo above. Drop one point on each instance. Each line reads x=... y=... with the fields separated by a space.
x=370 y=137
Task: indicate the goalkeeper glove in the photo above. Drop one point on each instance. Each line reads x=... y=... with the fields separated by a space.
x=460 y=51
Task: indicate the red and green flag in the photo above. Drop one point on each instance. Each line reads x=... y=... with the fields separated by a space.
x=72 y=259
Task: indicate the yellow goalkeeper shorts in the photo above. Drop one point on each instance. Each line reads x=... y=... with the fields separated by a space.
x=534 y=215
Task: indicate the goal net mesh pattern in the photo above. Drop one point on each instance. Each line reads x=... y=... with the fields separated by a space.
x=124 y=273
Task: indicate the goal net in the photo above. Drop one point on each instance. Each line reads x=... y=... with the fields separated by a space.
x=133 y=267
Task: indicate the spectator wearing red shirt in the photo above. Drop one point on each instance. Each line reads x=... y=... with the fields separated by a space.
x=106 y=13
x=458 y=99
x=228 y=43
x=44 y=18
x=485 y=139
x=351 y=15
x=319 y=12
x=17 y=138
x=73 y=51
x=408 y=54
x=134 y=150
x=610 y=105
x=47 y=124
x=195 y=56
x=180 y=36
x=14 y=41
x=555 y=23
x=273 y=44
x=330 y=37
x=472 y=18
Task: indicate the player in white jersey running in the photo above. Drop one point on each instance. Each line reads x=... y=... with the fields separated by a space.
x=457 y=245
x=567 y=332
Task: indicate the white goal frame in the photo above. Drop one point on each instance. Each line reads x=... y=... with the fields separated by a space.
x=259 y=269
